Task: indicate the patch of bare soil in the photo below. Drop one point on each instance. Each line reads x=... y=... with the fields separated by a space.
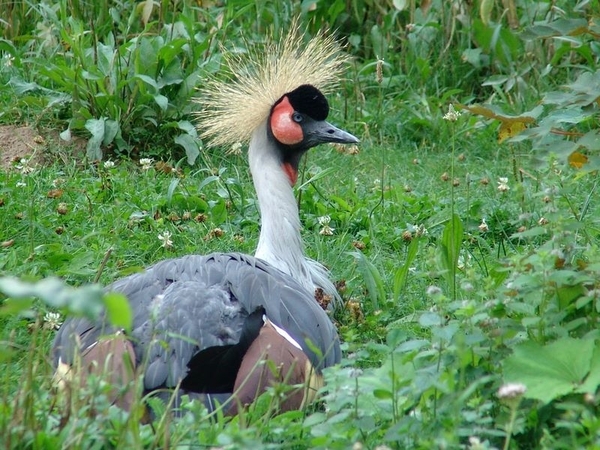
x=17 y=142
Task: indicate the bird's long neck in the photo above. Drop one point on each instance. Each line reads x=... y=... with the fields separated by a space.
x=280 y=242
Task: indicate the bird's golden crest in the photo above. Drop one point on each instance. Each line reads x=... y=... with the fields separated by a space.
x=233 y=108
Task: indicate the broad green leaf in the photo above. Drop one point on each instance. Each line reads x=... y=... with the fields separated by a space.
x=430 y=319
x=343 y=204
x=7 y=353
x=148 y=80
x=12 y=306
x=587 y=87
x=111 y=129
x=383 y=394
x=218 y=211
x=553 y=370
x=485 y=11
x=560 y=27
x=118 y=310
x=445 y=333
x=96 y=127
x=66 y=135
x=8 y=47
x=171 y=190
x=532 y=232
x=86 y=300
x=188 y=127
x=378 y=41
x=593 y=379
x=314 y=419
x=590 y=140
x=400 y=5
x=209 y=179
x=190 y=145
x=473 y=56
x=372 y=277
x=105 y=57
x=402 y=273
x=452 y=237
x=21 y=87
x=161 y=101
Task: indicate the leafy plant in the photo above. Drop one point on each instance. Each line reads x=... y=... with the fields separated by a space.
x=118 y=85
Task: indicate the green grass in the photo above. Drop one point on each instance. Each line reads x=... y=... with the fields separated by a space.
x=440 y=309
x=381 y=194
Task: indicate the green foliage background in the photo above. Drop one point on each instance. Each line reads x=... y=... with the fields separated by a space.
x=467 y=249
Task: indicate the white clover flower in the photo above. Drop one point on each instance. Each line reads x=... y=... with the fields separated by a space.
x=452 y=115
x=325 y=230
x=236 y=149
x=110 y=164
x=476 y=444
x=52 y=321
x=511 y=391
x=355 y=372
x=483 y=226
x=503 y=184
x=8 y=60
x=420 y=230
x=146 y=163
x=26 y=170
x=21 y=184
x=165 y=238
x=324 y=220
x=433 y=291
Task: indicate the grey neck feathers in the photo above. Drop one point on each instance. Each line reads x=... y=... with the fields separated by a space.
x=280 y=242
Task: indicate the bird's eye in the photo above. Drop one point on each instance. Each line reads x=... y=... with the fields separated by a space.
x=297 y=117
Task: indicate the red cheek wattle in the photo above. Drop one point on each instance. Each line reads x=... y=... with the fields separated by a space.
x=283 y=126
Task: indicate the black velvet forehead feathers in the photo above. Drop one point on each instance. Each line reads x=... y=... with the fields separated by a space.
x=307 y=99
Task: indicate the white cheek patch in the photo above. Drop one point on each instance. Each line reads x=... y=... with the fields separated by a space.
x=282 y=333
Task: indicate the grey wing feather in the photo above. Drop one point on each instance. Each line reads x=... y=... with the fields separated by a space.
x=183 y=305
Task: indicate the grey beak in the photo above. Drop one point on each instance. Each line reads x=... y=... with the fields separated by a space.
x=319 y=132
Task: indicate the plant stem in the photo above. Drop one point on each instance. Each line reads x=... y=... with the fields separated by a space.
x=509 y=429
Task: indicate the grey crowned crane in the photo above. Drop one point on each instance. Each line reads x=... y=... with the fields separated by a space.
x=203 y=324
